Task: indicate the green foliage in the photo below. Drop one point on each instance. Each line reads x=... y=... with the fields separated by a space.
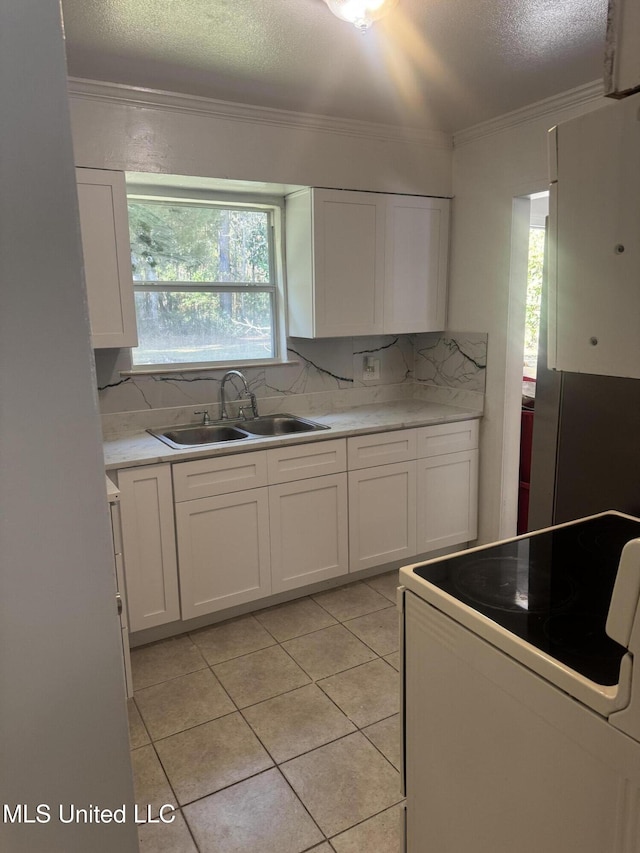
x=172 y=242
x=534 y=291
x=180 y=242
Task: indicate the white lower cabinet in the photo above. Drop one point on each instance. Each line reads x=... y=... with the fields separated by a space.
x=382 y=514
x=240 y=540
x=251 y=524
x=447 y=503
x=309 y=531
x=148 y=540
x=400 y=509
x=223 y=551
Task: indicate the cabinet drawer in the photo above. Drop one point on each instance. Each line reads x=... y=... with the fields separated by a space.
x=300 y=461
x=365 y=451
x=205 y=478
x=447 y=438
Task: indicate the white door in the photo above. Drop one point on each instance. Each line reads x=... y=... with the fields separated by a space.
x=104 y=227
x=223 y=550
x=382 y=515
x=349 y=238
x=447 y=500
x=417 y=250
x=309 y=531
x=148 y=538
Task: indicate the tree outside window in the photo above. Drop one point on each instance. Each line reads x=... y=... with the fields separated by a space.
x=204 y=282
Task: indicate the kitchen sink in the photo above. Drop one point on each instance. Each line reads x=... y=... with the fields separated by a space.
x=280 y=425
x=190 y=435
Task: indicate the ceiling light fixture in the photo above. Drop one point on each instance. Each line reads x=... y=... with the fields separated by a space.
x=360 y=13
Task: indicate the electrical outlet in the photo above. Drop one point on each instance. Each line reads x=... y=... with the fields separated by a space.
x=370 y=368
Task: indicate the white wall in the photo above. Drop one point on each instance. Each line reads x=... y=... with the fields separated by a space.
x=120 y=128
x=63 y=726
x=492 y=165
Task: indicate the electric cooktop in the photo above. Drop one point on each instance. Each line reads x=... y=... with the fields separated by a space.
x=551 y=589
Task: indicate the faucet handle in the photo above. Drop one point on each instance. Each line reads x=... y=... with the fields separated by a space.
x=205 y=417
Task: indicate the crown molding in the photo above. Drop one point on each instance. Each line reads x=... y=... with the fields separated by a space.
x=574 y=98
x=133 y=96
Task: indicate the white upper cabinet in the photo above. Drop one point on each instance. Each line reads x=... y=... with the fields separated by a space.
x=416 y=257
x=102 y=200
x=362 y=263
x=335 y=263
x=622 y=60
x=594 y=245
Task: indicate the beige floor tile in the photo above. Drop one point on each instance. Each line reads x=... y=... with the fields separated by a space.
x=379 y=630
x=393 y=660
x=294 y=618
x=164 y=660
x=381 y=834
x=259 y=676
x=328 y=651
x=343 y=783
x=297 y=722
x=150 y=782
x=322 y=848
x=182 y=703
x=209 y=757
x=386 y=584
x=138 y=735
x=386 y=736
x=166 y=837
x=366 y=694
x=260 y=815
x=347 y=602
x=232 y=639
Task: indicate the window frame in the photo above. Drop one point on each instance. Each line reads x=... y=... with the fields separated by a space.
x=274 y=207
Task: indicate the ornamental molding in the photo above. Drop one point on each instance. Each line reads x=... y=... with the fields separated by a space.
x=582 y=96
x=132 y=96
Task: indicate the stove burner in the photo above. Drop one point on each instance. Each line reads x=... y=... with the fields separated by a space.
x=506 y=583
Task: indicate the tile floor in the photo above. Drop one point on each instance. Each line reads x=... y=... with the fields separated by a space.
x=275 y=732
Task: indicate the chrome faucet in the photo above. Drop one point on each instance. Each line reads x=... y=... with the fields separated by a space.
x=250 y=394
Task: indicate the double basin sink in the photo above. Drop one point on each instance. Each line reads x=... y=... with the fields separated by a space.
x=190 y=435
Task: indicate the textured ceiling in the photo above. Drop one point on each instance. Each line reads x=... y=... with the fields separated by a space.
x=439 y=64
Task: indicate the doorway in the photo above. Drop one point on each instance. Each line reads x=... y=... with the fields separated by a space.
x=527 y=250
x=538 y=212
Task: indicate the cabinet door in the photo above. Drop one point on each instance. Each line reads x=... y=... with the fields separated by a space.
x=309 y=531
x=104 y=227
x=335 y=263
x=447 y=506
x=382 y=515
x=622 y=58
x=148 y=539
x=417 y=249
x=594 y=259
x=223 y=551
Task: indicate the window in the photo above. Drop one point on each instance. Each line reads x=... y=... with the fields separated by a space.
x=205 y=281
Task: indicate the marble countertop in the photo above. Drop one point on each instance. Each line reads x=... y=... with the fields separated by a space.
x=140 y=448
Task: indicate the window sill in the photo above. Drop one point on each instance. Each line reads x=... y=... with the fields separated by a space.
x=154 y=370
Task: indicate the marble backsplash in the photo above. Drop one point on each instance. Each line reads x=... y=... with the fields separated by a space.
x=323 y=376
x=451 y=360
